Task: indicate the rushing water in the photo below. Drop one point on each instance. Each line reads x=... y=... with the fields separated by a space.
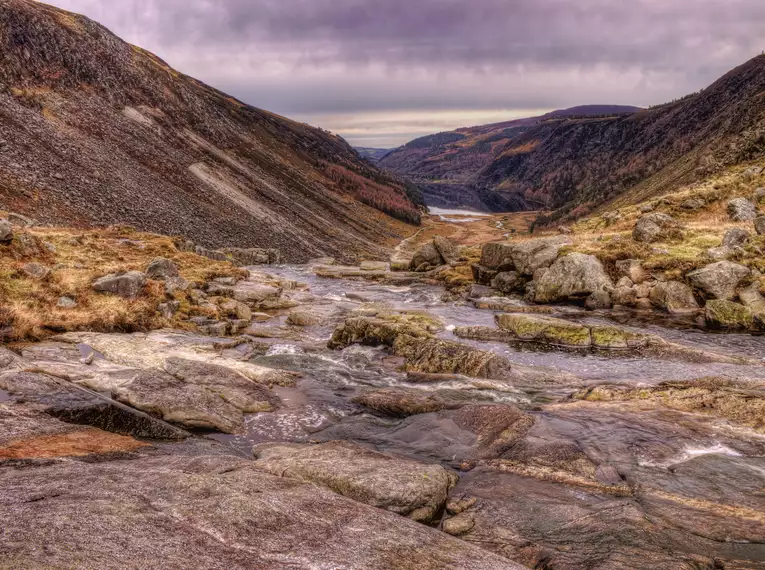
x=322 y=403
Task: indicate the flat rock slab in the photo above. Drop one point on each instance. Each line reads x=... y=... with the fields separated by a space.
x=207 y=512
x=410 y=488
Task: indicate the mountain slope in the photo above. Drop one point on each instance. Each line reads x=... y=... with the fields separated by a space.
x=96 y=131
x=371 y=154
x=446 y=166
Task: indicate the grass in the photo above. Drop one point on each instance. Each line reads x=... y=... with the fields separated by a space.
x=29 y=307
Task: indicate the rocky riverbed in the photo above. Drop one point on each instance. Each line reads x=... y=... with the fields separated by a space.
x=367 y=423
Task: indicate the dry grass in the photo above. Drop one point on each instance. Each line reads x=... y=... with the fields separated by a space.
x=29 y=307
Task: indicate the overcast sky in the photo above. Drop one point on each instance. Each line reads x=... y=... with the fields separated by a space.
x=381 y=72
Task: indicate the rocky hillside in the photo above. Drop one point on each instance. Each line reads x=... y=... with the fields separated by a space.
x=372 y=154
x=95 y=131
x=447 y=166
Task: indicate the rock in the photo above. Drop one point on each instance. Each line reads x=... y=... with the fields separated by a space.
x=509 y=282
x=162 y=269
x=236 y=309
x=447 y=248
x=741 y=210
x=6 y=231
x=532 y=255
x=481 y=292
x=128 y=285
x=599 y=300
x=35 y=271
x=646 y=208
x=261 y=317
x=405 y=487
x=459 y=524
x=19 y=220
x=66 y=303
x=656 y=227
x=752 y=298
x=208 y=510
x=304 y=318
x=693 y=204
x=565 y=230
x=719 y=280
x=219 y=290
x=482 y=274
x=428 y=255
x=674 y=297
x=624 y=295
x=720 y=253
x=573 y=276
x=728 y=315
x=759 y=196
x=734 y=237
x=374 y=266
x=228 y=281
x=759 y=225
x=632 y=269
x=322 y=261
x=446 y=357
x=751 y=173
x=255 y=293
x=497 y=257
x=404 y=402
x=169 y=309
x=377 y=331
x=215 y=328
x=456 y=505
x=610 y=218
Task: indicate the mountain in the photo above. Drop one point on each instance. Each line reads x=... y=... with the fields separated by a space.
x=372 y=154
x=446 y=166
x=95 y=131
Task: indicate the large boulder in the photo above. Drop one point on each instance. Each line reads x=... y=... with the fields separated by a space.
x=497 y=256
x=162 y=269
x=509 y=282
x=6 y=231
x=409 y=488
x=719 y=280
x=437 y=356
x=656 y=226
x=447 y=248
x=720 y=313
x=483 y=274
x=571 y=277
x=674 y=297
x=741 y=210
x=536 y=254
x=128 y=285
x=427 y=256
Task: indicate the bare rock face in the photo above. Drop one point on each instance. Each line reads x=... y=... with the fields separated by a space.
x=741 y=210
x=674 y=297
x=128 y=285
x=573 y=276
x=719 y=280
x=409 y=488
x=536 y=254
x=208 y=511
x=656 y=226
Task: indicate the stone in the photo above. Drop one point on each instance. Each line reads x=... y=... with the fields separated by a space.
x=35 y=271
x=6 y=231
x=693 y=204
x=482 y=274
x=169 y=309
x=208 y=510
x=447 y=248
x=565 y=230
x=215 y=328
x=655 y=227
x=646 y=208
x=261 y=317
x=540 y=253
x=728 y=315
x=734 y=237
x=322 y=261
x=759 y=196
x=162 y=269
x=632 y=269
x=459 y=524
x=720 y=253
x=228 y=281
x=610 y=218
x=545 y=330
x=741 y=210
x=405 y=487
x=509 y=282
x=236 y=309
x=481 y=292
x=428 y=255
x=674 y=297
x=255 y=293
x=759 y=225
x=405 y=402
x=752 y=298
x=19 y=220
x=598 y=300
x=374 y=266
x=572 y=277
x=497 y=256
x=624 y=295
x=304 y=318
x=219 y=290
x=459 y=505
x=438 y=356
x=719 y=280
x=66 y=303
x=128 y=285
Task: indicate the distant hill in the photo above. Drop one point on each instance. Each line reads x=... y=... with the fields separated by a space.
x=446 y=165
x=372 y=154
x=95 y=131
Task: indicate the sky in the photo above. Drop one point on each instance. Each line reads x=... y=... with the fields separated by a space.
x=382 y=72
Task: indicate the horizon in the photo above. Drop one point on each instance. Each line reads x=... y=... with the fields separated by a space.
x=380 y=77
